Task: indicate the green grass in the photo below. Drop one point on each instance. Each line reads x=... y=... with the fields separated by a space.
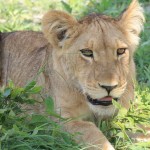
x=18 y=133
x=22 y=131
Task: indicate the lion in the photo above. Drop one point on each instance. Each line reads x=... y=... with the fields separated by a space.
x=88 y=63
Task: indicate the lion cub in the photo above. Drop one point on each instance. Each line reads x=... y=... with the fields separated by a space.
x=87 y=64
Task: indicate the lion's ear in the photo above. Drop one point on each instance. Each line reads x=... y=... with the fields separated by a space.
x=132 y=20
x=55 y=25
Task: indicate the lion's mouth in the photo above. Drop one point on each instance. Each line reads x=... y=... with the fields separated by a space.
x=105 y=101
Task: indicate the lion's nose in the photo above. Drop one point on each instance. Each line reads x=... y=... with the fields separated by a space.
x=108 y=88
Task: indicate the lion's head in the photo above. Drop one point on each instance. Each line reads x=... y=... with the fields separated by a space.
x=96 y=53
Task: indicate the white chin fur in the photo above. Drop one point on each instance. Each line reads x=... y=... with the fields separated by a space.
x=103 y=112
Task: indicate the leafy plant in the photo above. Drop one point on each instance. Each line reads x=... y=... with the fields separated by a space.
x=127 y=123
x=20 y=130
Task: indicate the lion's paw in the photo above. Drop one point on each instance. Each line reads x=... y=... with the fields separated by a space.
x=108 y=146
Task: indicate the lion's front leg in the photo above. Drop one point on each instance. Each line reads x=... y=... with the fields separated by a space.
x=90 y=135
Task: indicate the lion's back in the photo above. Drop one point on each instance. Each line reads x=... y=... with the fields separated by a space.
x=22 y=54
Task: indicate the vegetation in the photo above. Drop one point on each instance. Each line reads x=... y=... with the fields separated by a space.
x=22 y=131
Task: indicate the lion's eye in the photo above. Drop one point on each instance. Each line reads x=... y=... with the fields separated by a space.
x=121 y=51
x=87 y=52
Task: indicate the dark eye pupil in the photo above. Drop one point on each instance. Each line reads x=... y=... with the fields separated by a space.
x=87 y=52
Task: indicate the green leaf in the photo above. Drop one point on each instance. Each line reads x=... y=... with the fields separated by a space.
x=120 y=135
x=49 y=103
x=7 y=92
x=10 y=84
x=11 y=113
x=15 y=128
x=2 y=111
x=116 y=104
x=35 y=90
x=38 y=119
x=30 y=85
x=35 y=131
x=16 y=92
x=123 y=112
x=66 y=6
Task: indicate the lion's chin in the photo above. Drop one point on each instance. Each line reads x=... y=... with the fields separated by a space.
x=105 y=101
x=103 y=112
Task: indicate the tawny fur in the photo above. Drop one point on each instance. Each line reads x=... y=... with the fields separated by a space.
x=68 y=75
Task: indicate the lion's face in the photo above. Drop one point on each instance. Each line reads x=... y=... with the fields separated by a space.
x=99 y=61
x=95 y=53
